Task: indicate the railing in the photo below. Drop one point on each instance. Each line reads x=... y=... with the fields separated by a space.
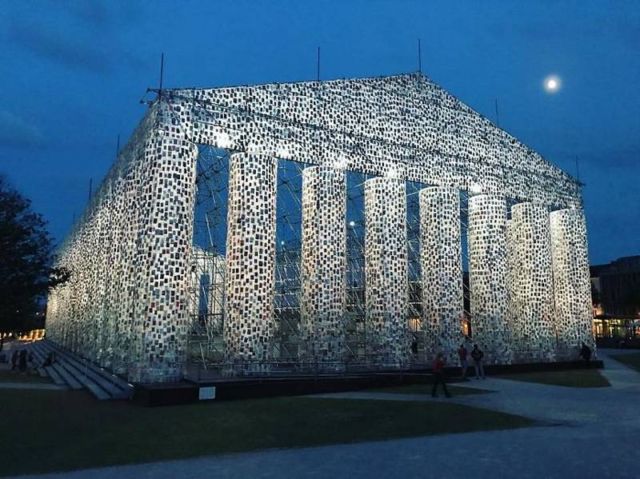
x=203 y=369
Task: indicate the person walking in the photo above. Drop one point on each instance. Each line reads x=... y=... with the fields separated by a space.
x=22 y=360
x=585 y=353
x=14 y=359
x=438 y=376
x=49 y=360
x=477 y=355
x=463 y=354
x=414 y=345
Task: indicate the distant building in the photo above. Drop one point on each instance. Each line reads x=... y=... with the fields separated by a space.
x=616 y=300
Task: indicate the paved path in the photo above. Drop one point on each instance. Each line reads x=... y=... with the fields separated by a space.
x=595 y=434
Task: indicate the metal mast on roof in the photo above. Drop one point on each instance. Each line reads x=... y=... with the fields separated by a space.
x=161 y=74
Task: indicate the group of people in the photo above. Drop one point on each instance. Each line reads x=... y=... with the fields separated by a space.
x=21 y=360
x=477 y=356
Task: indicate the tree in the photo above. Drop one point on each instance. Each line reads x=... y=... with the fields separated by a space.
x=26 y=257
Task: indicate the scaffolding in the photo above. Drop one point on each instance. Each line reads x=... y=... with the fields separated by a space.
x=207 y=302
x=206 y=292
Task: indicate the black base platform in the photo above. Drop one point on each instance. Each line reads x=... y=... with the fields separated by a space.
x=249 y=388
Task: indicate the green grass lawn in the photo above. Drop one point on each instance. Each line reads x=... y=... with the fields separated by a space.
x=44 y=431
x=576 y=378
x=426 y=389
x=632 y=360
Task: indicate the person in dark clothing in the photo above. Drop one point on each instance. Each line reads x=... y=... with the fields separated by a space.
x=22 y=360
x=438 y=376
x=14 y=359
x=414 y=346
x=477 y=355
x=50 y=359
x=463 y=354
x=585 y=353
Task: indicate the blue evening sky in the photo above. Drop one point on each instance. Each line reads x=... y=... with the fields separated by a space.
x=72 y=74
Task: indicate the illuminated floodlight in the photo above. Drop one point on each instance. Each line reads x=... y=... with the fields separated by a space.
x=341 y=163
x=283 y=152
x=392 y=172
x=224 y=140
x=475 y=189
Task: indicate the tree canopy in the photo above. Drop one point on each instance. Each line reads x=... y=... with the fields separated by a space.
x=26 y=256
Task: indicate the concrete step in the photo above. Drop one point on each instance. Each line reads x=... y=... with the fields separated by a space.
x=38 y=358
x=105 y=374
x=98 y=380
x=55 y=377
x=81 y=379
x=116 y=387
x=69 y=378
x=98 y=392
x=37 y=352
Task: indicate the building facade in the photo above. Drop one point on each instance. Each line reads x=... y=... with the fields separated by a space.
x=128 y=304
x=616 y=301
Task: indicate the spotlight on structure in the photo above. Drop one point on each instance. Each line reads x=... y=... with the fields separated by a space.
x=224 y=140
x=475 y=189
x=341 y=163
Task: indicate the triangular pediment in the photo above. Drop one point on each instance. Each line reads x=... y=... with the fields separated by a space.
x=403 y=122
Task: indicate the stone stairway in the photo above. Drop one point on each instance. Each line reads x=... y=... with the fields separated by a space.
x=77 y=373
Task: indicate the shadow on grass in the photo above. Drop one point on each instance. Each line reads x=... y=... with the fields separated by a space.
x=455 y=390
x=575 y=378
x=68 y=430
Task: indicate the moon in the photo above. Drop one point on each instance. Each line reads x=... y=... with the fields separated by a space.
x=552 y=83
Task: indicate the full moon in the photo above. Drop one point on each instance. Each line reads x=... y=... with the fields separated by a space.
x=552 y=83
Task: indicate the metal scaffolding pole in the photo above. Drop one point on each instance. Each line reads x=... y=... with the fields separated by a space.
x=207 y=302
